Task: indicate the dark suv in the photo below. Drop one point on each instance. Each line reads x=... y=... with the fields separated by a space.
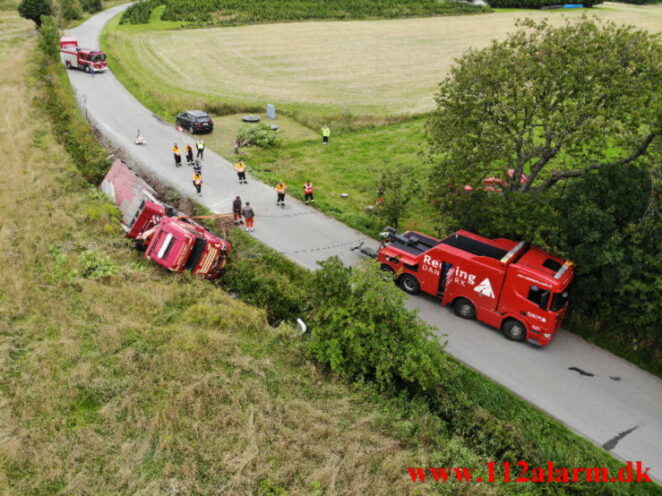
x=196 y=121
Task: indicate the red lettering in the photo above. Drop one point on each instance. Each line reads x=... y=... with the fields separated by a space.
x=416 y=473
x=597 y=475
x=575 y=474
x=506 y=472
x=439 y=473
x=561 y=475
x=490 y=472
x=642 y=476
x=537 y=474
x=462 y=474
x=627 y=475
x=525 y=469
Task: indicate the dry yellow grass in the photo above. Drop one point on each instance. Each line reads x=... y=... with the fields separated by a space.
x=356 y=66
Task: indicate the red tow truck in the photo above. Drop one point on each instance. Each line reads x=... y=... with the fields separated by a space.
x=74 y=57
x=519 y=289
x=170 y=239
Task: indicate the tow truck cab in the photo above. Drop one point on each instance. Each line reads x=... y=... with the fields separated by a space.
x=505 y=284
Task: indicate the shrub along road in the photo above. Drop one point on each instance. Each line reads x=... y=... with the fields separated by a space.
x=602 y=397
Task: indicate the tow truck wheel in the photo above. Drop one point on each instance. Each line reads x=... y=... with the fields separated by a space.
x=464 y=308
x=514 y=330
x=409 y=284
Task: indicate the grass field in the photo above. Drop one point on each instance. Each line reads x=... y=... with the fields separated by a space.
x=360 y=67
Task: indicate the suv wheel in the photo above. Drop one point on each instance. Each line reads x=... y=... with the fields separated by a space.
x=191 y=129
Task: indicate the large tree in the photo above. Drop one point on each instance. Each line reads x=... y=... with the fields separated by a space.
x=34 y=9
x=552 y=103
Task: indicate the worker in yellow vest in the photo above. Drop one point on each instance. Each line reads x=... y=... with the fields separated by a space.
x=197 y=182
x=280 y=194
x=177 y=154
x=200 y=146
x=308 y=192
x=326 y=132
x=240 y=167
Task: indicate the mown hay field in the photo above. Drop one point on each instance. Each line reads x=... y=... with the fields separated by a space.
x=376 y=67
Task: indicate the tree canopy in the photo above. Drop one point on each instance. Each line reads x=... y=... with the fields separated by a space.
x=550 y=104
x=34 y=9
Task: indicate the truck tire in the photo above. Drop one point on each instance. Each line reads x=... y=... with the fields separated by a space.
x=87 y=69
x=67 y=65
x=409 y=284
x=464 y=308
x=514 y=330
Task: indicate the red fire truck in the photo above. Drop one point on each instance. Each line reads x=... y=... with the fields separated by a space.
x=167 y=237
x=519 y=289
x=74 y=57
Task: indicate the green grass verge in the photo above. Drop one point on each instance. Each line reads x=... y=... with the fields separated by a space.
x=352 y=164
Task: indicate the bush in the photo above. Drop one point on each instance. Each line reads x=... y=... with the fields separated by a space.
x=139 y=12
x=535 y=4
x=70 y=9
x=260 y=135
x=91 y=6
x=232 y=12
x=50 y=38
x=35 y=9
x=362 y=331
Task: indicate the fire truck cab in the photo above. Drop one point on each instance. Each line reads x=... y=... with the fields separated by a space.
x=75 y=57
x=171 y=241
x=508 y=285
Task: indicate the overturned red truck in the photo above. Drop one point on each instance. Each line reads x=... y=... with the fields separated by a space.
x=519 y=289
x=85 y=59
x=166 y=236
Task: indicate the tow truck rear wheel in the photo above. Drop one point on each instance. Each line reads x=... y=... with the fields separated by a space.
x=464 y=308
x=514 y=330
x=409 y=284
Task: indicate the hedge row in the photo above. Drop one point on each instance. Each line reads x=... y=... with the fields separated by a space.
x=69 y=127
x=537 y=4
x=232 y=12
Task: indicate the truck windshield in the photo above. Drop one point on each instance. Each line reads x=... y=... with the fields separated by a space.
x=98 y=57
x=558 y=300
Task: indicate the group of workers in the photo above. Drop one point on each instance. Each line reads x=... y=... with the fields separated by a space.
x=239 y=210
x=196 y=162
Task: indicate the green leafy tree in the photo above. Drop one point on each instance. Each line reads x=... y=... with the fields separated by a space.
x=50 y=37
x=34 y=9
x=362 y=330
x=91 y=6
x=399 y=185
x=553 y=103
x=70 y=9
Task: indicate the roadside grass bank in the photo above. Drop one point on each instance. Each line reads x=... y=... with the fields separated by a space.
x=485 y=421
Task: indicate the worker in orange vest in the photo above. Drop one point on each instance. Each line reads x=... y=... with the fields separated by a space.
x=308 y=192
x=280 y=194
x=177 y=154
x=240 y=167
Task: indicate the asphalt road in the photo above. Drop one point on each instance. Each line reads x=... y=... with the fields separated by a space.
x=601 y=397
